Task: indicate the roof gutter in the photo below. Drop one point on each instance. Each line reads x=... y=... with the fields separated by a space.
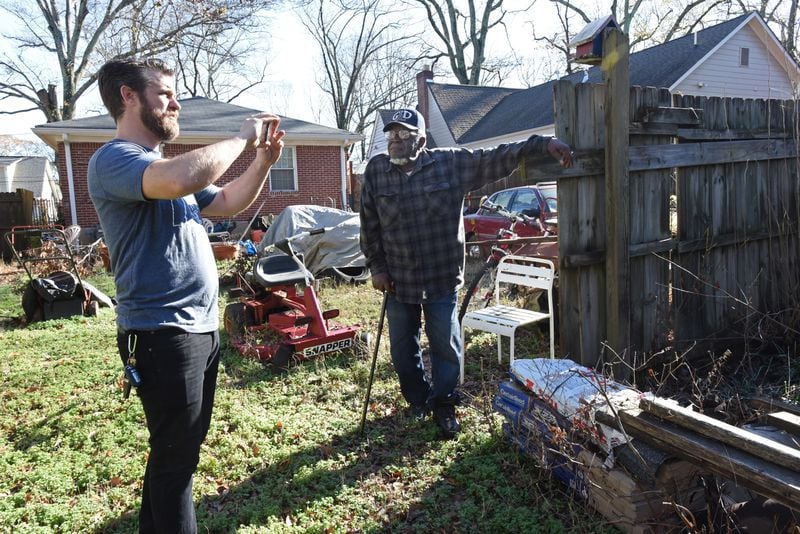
x=70 y=179
x=51 y=134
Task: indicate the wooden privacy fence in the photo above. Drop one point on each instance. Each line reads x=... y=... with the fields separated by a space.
x=637 y=277
x=16 y=209
x=21 y=208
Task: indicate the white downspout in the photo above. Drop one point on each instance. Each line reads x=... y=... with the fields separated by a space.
x=344 y=177
x=70 y=179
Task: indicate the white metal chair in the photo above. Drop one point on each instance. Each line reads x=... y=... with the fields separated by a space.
x=503 y=320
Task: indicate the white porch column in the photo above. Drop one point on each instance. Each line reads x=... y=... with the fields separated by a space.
x=70 y=179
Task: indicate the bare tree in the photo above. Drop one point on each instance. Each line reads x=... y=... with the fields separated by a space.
x=640 y=20
x=15 y=146
x=781 y=15
x=649 y=23
x=689 y=17
x=79 y=35
x=641 y=25
x=389 y=81
x=464 y=37
x=646 y=23
x=364 y=65
x=558 y=41
x=790 y=36
x=624 y=14
x=218 y=65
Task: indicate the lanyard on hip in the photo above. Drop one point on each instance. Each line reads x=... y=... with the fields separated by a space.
x=132 y=377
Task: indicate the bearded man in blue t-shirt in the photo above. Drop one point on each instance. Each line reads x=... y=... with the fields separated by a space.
x=151 y=209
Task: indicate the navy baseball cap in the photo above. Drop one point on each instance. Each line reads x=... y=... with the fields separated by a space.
x=410 y=118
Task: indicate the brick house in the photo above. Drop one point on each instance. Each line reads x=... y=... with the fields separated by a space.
x=312 y=168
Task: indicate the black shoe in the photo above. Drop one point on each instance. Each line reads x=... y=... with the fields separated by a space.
x=446 y=419
x=417 y=412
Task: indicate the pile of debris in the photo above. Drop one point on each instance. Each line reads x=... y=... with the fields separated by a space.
x=640 y=461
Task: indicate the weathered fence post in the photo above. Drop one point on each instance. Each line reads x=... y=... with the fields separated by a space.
x=16 y=209
x=616 y=74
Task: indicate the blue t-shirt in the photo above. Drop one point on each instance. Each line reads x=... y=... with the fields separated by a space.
x=164 y=268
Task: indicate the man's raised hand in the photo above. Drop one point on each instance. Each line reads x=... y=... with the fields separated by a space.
x=560 y=151
x=271 y=139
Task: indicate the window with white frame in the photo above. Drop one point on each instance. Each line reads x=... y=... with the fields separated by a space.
x=744 y=57
x=283 y=175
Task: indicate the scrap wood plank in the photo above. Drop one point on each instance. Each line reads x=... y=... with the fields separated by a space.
x=785 y=421
x=590 y=162
x=768 y=404
x=702 y=134
x=740 y=438
x=765 y=478
x=677 y=116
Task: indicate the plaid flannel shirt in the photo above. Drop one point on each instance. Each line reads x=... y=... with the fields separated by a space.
x=411 y=225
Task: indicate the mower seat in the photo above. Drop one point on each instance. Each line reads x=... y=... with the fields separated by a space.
x=280 y=270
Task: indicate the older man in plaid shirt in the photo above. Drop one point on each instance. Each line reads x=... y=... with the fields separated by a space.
x=412 y=235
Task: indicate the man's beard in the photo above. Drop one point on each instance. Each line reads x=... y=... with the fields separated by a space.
x=164 y=126
x=405 y=160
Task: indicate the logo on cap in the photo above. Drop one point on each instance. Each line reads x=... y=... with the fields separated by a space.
x=403 y=115
x=410 y=118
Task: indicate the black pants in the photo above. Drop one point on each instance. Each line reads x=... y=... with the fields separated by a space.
x=179 y=378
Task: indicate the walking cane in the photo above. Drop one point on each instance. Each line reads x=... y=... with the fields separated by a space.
x=374 y=361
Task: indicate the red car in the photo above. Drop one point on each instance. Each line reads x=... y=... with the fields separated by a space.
x=539 y=200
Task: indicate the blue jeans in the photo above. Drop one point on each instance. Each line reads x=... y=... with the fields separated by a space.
x=179 y=379
x=444 y=340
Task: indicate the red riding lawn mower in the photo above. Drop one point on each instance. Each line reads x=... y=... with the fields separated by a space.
x=278 y=318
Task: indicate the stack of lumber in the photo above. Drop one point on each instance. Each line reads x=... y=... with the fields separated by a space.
x=554 y=411
x=636 y=505
x=766 y=466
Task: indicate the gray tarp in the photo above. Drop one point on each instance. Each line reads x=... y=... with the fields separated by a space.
x=337 y=248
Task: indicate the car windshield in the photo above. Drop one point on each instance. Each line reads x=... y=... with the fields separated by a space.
x=525 y=200
x=550 y=194
x=502 y=198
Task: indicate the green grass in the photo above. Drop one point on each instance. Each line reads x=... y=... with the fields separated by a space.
x=284 y=453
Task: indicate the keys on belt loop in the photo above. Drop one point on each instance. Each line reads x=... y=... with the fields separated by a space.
x=132 y=377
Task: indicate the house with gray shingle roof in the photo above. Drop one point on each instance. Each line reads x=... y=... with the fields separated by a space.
x=741 y=58
x=311 y=170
